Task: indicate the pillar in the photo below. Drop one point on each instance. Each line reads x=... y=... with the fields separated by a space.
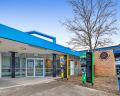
x=54 y=65
x=65 y=66
x=68 y=65
x=13 y=64
x=0 y=65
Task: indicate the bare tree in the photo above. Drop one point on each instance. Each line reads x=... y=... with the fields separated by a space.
x=93 y=23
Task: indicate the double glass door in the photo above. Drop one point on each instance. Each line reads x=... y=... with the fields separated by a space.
x=35 y=67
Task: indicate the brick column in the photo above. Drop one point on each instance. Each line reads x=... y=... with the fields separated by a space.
x=105 y=67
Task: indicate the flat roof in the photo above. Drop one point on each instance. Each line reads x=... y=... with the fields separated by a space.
x=116 y=49
x=23 y=37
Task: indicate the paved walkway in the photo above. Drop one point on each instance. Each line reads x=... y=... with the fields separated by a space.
x=10 y=82
x=53 y=88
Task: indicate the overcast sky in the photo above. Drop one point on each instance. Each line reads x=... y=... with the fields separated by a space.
x=42 y=16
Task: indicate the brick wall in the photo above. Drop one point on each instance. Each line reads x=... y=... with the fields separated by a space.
x=104 y=67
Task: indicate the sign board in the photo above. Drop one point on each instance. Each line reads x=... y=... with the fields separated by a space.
x=87 y=66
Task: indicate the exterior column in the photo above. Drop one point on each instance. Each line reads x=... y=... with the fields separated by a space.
x=13 y=64
x=0 y=65
x=68 y=65
x=54 y=65
x=65 y=66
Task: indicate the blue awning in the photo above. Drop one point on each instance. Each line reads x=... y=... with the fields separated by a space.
x=116 y=51
x=19 y=36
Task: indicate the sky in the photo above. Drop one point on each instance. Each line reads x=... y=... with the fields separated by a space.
x=43 y=16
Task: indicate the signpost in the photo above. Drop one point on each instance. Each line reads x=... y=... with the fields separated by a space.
x=87 y=64
x=83 y=67
x=90 y=67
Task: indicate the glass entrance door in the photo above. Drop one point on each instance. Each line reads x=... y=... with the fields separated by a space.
x=39 y=67
x=30 y=67
x=35 y=67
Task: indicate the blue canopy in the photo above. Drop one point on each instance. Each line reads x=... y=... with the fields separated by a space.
x=23 y=37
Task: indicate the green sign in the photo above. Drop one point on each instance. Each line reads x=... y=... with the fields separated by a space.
x=87 y=66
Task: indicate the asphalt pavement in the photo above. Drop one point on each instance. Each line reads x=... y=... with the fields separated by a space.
x=54 y=88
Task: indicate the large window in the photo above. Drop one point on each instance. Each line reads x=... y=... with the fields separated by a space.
x=48 y=66
x=6 y=66
x=20 y=65
x=23 y=67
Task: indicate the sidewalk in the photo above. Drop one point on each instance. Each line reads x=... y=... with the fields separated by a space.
x=54 y=88
x=14 y=82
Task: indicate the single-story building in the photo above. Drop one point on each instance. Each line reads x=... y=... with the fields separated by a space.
x=27 y=54
x=23 y=54
x=106 y=61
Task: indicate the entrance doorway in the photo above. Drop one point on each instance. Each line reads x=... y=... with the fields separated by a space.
x=72 y=67
x=35 y=67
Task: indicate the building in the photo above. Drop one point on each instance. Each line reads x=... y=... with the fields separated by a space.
x=107 y=61
x=24 y=55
